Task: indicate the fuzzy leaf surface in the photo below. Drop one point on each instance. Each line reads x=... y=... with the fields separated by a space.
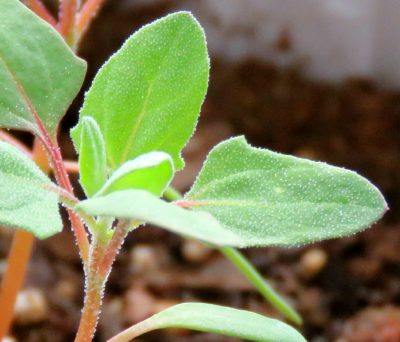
x=151 y=171
x=220 y=320
x=92 y=157
x=39 y=74
x=269 y=198
x=25 y=200
x=147 y=97
x=143 y=206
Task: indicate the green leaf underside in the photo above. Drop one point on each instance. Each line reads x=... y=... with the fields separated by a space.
x=92 y=157
x=147 y=97
x=25 y=202
x=269 y=198
x=39 y=74
x=151 y=171
x=143 y=206
x=223 y=321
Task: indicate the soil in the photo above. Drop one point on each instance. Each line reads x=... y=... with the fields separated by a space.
x=346 y=290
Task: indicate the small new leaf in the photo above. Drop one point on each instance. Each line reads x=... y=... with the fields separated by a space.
x=147 y=97
x=216 y=319
x=39 y=74
x=142 y=206
x=269 y=198
x=92 y=157
x=25 y=199
x=151 y=171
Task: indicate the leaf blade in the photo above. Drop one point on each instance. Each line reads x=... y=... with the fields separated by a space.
x=150 y=171
x=216 y=319
x=25 y=200
x=143 y=206
x=161 y=74
x=296 y=201
x=39 y=74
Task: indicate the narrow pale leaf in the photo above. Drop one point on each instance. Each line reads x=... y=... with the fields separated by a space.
x=272 y=199
x=143 y=206
x=151 y=171
x=147 y=97
x=92 y=157
x=25 y=199
x=216 y=319
x=39 y=74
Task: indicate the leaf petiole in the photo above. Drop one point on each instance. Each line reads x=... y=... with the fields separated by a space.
x=248 y=270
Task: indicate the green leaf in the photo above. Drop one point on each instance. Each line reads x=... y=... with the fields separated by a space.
x=272 y=199
x=147 y=97
x=151 y=171
x=25 y=199
x=215 y=319
x=92 y=157
x=39 y=74
x=143 y=206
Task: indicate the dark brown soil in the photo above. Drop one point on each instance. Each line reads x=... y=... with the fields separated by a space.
x=346 y=290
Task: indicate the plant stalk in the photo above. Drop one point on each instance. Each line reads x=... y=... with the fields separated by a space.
x=94 y=290
x=85 y=17
x=18 y=258
x=102 y=257
x=41 y=10
x=67 y=15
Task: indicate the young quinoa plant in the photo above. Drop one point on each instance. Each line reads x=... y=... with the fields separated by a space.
x=139 y=113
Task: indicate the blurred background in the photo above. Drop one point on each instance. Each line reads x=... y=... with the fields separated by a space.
x=316 y=78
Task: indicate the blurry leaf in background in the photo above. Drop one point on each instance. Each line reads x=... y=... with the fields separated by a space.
x=269 y=198
x=147 y=97
x=25 y=200
x=216 y=319
x=39 y=74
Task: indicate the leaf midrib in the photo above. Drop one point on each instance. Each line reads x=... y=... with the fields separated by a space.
x=29 y=105
x=265 y=204
x=143 y=111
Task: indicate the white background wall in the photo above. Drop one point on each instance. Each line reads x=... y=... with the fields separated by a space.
x=330 y=39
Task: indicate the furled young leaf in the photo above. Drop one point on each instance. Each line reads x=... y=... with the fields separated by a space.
x=147 y=97
x=25 y=200
x=151 y=171
x=216 y=319
x=143 y=206
x=92 y=157
x=39 y=74
x=273 y=199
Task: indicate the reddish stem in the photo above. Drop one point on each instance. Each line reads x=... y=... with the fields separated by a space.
x=115 y=244
x=94 y=285
x=64 y=181
x=85 y=16
x=66 y=17
x=41 y=10
x=102 y=257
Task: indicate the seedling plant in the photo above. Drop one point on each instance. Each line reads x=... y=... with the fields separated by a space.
x=137 y=116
